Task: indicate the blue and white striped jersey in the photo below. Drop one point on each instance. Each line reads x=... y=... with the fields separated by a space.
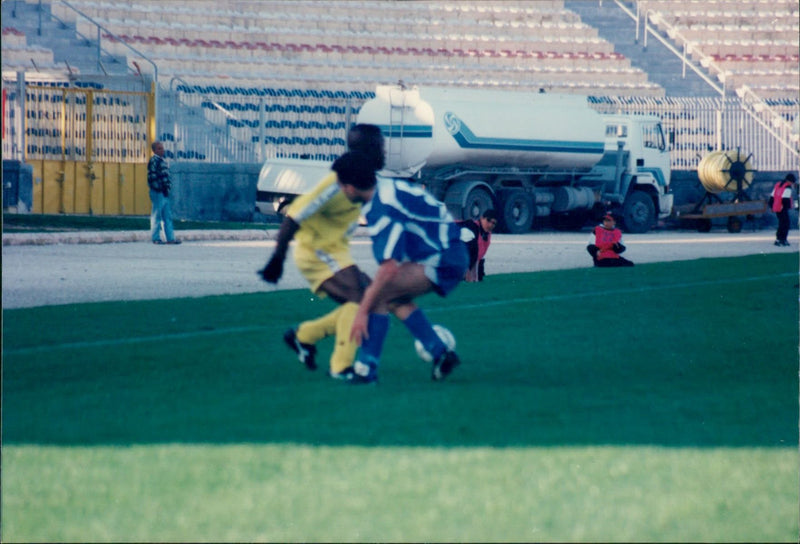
x=407 y=224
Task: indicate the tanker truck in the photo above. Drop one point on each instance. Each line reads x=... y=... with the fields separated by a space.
x=530 y=156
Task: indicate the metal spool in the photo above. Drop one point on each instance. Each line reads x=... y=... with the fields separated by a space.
x=726 y=171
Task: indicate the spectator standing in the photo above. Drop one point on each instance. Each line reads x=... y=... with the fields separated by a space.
x=781 y=202
x=159 y=182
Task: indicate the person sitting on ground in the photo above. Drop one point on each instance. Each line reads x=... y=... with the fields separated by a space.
x=605 y=244
x=478 y=237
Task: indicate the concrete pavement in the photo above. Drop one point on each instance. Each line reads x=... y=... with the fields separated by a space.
x=107 y=237
x=68 y=268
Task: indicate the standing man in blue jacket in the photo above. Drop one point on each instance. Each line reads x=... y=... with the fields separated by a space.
x=159 y=182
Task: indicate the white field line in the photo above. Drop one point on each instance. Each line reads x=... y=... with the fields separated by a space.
x=237 y=330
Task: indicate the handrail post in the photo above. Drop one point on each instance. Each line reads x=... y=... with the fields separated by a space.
x=262 y=120
x=101 y=27
x=677 y=53
x=99 y=49
x=683 y=67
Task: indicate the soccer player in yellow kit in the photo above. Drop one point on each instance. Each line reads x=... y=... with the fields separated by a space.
x=321 y=222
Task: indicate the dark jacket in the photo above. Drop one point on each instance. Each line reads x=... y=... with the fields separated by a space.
x=472 y=245
x=158 y=175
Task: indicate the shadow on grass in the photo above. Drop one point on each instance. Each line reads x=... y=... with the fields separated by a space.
x=549 y=360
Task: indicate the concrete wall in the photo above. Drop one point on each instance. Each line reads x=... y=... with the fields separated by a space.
x=214 y=192
x=227 y=192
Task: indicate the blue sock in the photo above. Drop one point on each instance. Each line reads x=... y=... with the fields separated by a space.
x=372 y=347
x=422 y=329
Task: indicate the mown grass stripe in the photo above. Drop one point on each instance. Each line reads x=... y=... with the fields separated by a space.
x=459 y=307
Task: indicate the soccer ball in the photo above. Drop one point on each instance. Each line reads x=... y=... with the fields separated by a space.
x=446 y=336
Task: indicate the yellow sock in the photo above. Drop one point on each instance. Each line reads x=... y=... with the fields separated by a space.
x=311 y=332
x=344 y=350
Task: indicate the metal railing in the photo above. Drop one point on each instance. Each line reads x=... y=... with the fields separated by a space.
x=99 y=39
x=101 y=28
x=701 y=125
x=774 y=124
x=682 y=55
x=251 y=125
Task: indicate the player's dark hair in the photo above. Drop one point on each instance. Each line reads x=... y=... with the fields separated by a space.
x=368 y=140
x=790 y=178
x=355 y=168
x=490 y=214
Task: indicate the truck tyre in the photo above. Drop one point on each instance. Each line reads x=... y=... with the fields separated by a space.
x=468 y=200
x=638 y=212
x=735 y=224
x=516 y=211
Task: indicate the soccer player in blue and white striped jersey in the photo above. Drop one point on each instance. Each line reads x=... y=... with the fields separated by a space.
x=419 y=249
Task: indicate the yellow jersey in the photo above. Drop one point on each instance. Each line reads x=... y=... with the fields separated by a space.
x=326 y=216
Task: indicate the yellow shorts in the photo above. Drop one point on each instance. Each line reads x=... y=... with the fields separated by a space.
x=317 y=265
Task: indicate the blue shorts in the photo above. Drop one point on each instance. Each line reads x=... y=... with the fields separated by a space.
x=450 y=270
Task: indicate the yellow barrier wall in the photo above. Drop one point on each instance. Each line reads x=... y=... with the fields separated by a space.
x=141 y=191
x=90 y=188
x=68 y=129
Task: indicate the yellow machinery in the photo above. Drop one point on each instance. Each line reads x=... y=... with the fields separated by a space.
x=720 y=172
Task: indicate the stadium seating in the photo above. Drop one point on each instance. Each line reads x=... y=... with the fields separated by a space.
x=751 y=42
x=354 y=45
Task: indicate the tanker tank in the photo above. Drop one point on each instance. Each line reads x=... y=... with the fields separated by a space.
x=435 y=127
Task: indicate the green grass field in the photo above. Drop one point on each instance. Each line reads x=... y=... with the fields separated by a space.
x=658 y=403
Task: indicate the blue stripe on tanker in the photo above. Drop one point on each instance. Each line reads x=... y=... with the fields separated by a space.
x=468 y=140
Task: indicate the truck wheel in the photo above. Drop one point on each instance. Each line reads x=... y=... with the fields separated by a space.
x=516 y=211
x=468 y=199
x=734 y=224
x=638 y=212
x=478 y=201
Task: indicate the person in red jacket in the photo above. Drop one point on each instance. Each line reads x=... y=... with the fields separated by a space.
x=478 y=238
x=605 y=244
x=781 y=202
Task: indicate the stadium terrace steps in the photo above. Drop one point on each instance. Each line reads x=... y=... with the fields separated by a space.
x=661 y=66
x=70 y=52
x=711 y=31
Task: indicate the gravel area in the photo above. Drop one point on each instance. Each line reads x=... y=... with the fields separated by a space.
x=92 y=267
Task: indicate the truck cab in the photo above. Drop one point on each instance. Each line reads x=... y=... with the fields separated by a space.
x=637 y=145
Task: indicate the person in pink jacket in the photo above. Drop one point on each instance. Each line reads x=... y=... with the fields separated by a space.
x=781 y=202
x=605 y=244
